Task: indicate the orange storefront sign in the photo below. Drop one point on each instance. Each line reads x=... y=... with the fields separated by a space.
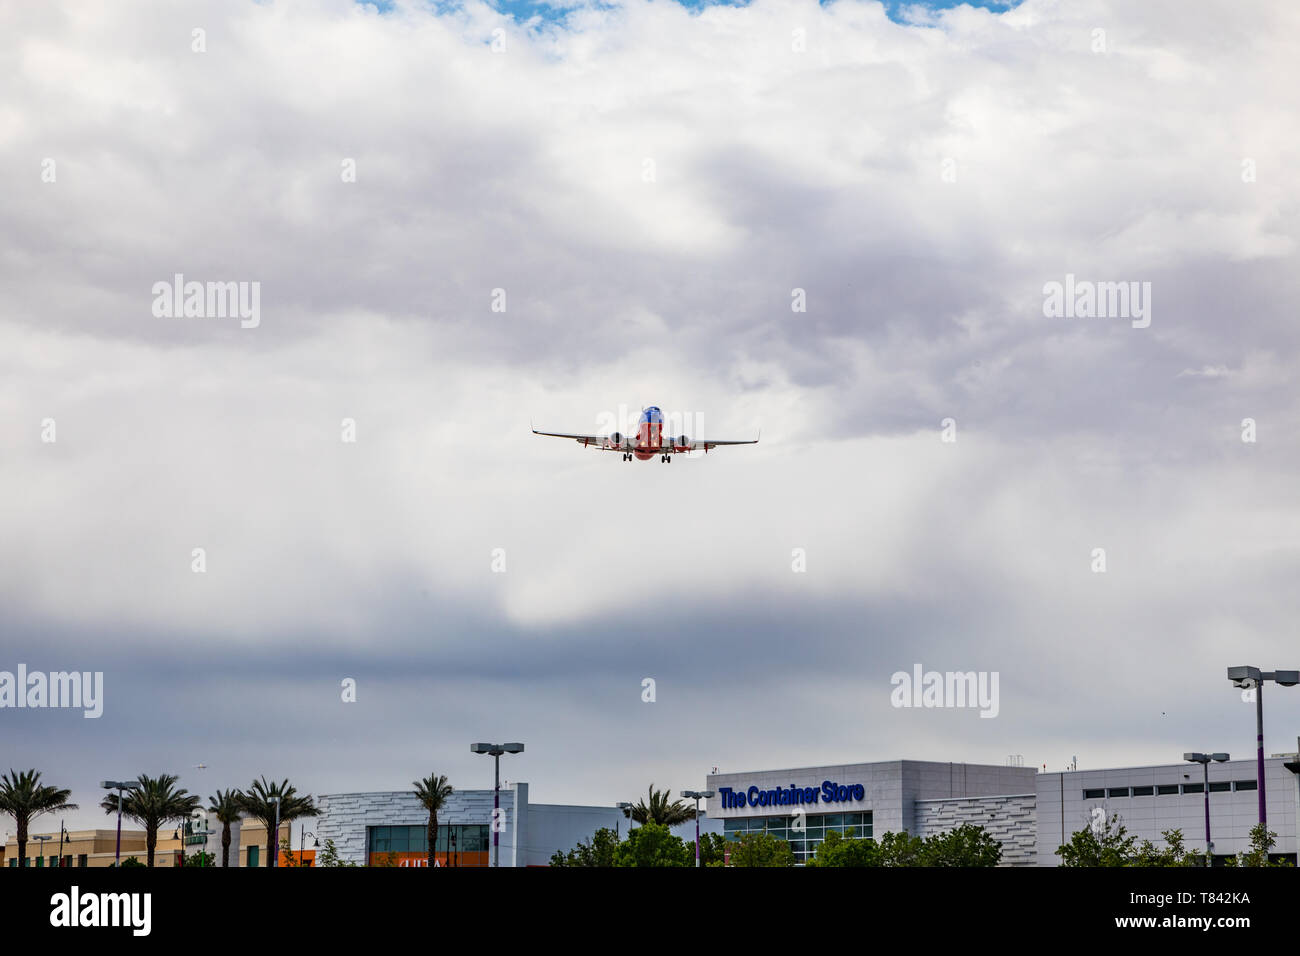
x=459 y=858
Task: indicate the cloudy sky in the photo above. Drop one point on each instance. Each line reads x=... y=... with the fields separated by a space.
x=649 y=184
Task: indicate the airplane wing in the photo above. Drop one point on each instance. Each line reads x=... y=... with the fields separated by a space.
x=703 y=444
x=595 y=441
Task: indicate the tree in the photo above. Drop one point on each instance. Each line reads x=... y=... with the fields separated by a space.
x=713 y=849
x=761 y=849
x=602 y=851
x=433 y=792
x=153 y=802
x=901 y=849
x=1174 y=853
x=329 y=856
x=839 y=850
x=227 y=808
x=1262 y=841
x=258 y=802
x=1106 y=845
x=659 y=808
x=653 y=845
x=23 y=797
x=967 y=845
x=201 y=858
x=132 y=861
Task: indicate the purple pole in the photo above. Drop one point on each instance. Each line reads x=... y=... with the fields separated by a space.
x=1259 y=739
x=697 y=831
x=1206 y=767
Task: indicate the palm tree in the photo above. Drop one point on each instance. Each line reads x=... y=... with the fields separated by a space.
x=433 y=792
x=153 y=802
x=22 y=797
x=258 y=802
x=227 y=807
x=659 y=809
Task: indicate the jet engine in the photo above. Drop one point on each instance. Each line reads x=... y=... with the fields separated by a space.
x=681 y=443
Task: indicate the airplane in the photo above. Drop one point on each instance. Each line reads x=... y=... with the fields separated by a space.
x=648 y=441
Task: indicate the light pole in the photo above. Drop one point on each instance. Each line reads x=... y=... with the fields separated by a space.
x=303 y=834
x=62 y=833
x=1294 y=767
x=698 y=795
x=41 y=841
x=496 y=750
x=119 y=786
x=274 y=842
x=1204 y=761
x=195 y=831
x=1254 y=677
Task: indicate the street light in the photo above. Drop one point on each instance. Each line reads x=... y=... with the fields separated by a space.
x=496 y=750
x=1254 y=677
x=304 y=833
x=119 y=786
x=275 y=837
x=195 y=831
x=698 y=795
x=1204 y=761
x=40 y=853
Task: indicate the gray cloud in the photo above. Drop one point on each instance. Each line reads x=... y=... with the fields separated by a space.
x=773 y=170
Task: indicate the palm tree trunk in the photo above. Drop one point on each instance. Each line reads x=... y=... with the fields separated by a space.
x=22 y=841
x=225 y=845
x=150 y=842
x=431 y=835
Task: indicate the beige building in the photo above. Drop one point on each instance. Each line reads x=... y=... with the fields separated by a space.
x=99 y=847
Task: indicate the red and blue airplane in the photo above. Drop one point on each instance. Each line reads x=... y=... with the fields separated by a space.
x=648 y=441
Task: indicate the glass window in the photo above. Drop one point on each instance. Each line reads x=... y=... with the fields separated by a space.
x=834 y=821
x=1192 y=788
x=1094 y=794
x=1143 y=791
x=733 y=826
x=81 y=860
x=815 y=820
x=1164 y=789
x=1118 y=791
x=40 y=861
x=1220 y=786
x=853 y=819
x=1247 y=784
x=252 y=855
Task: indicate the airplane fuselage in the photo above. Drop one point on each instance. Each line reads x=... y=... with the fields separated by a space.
x=649 y=435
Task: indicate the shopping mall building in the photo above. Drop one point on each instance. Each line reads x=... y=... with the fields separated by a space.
x=390 y=828
x=1029 y=812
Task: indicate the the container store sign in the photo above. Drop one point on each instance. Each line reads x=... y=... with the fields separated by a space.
x=829 y=792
